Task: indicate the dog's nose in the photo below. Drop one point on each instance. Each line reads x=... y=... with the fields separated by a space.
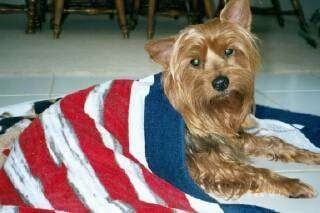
x=221 y=83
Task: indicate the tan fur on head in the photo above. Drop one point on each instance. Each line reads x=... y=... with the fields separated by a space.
x=217 y=146
x=190 y=91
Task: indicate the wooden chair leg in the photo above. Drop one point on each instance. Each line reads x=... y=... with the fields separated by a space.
x=58 y=12
x=151 y=13
x=38 y=14
x=31 y=13
x=277 y=8
x=299 y=12
x=209 y=8
x=122 y=18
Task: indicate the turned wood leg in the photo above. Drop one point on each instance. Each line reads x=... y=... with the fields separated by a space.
x=58 y=12
x=277 y=7
x=209 y=7
x=299 y=12
x=122 y=18
x=31 y=13
x=38 y=14
x=151 y=12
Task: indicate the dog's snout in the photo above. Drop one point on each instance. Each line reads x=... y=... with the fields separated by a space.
x=221 y=83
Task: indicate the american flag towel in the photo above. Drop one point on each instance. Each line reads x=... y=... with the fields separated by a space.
x=114 y=147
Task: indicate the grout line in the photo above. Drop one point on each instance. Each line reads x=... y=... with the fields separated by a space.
x=291 y=91
x=299 y=170
x=269 y=99
x=52 y=85
x=27 y=95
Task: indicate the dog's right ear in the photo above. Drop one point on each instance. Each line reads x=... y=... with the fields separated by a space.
x=237 y=11
x=160 y=50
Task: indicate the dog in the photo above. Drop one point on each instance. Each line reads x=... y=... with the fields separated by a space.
x=208 y=77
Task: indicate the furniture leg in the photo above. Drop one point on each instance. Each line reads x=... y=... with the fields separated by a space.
x=277 y=8
x=58 y=11
x=31 y=13
x=209 y=8
x=151 y=13
x=122 y=18
x=299 y=12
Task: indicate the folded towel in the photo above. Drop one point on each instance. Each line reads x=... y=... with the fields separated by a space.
x=115 y=147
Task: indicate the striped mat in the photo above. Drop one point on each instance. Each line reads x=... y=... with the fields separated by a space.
x=114 y=147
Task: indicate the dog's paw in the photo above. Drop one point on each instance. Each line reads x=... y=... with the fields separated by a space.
x=294 y=188
x=306 y=157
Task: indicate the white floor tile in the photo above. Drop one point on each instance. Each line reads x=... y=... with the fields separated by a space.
x=284 y=167
x=263 y=99
x=283 y=204
x=26 y=85
x=305 y=102
x=69 y=84
x=268 y=82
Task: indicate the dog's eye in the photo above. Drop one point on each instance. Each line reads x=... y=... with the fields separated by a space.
x=195 y=62
x=229 y=52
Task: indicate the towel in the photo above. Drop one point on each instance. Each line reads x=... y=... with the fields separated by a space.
x=118 y=147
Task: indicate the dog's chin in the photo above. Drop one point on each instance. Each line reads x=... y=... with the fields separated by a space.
x=230 y=101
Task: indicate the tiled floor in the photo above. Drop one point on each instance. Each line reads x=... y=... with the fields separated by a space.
x=295 y=92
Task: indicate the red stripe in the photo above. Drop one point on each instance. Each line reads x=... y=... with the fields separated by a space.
x=53 y=178
x=8 y=194
x=116 y=111
x=34 y=210
x=102 y=159
x=170 y=194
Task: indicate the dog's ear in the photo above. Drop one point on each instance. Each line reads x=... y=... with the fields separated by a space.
x=160 y=50
x=237 y=11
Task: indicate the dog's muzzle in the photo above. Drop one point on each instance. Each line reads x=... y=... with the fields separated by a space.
x=221 y=83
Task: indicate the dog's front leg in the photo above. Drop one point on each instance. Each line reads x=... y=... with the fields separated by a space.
x=274 y=148
x=233 y=179
x=223 y=171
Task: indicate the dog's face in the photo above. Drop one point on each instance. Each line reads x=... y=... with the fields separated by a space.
x=209 y=71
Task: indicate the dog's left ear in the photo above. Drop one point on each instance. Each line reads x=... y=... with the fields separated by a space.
x=237 y=11
x=160 y=50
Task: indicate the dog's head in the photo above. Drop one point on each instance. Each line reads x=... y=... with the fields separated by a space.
x=209 y=70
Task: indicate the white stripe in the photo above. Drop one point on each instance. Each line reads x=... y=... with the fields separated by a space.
x=139 y=91
x=149 y=79
x=20 y=175
x=95 y=101
x=94 y=107
x=134 y=172
x=9 y=209
x=64 y=145
x=203 y=206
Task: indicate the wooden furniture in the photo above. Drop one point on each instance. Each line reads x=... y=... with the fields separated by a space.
x=90 y=7
x=29 y=8
x=175 y=8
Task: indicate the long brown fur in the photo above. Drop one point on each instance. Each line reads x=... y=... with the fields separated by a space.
x=217 y=147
